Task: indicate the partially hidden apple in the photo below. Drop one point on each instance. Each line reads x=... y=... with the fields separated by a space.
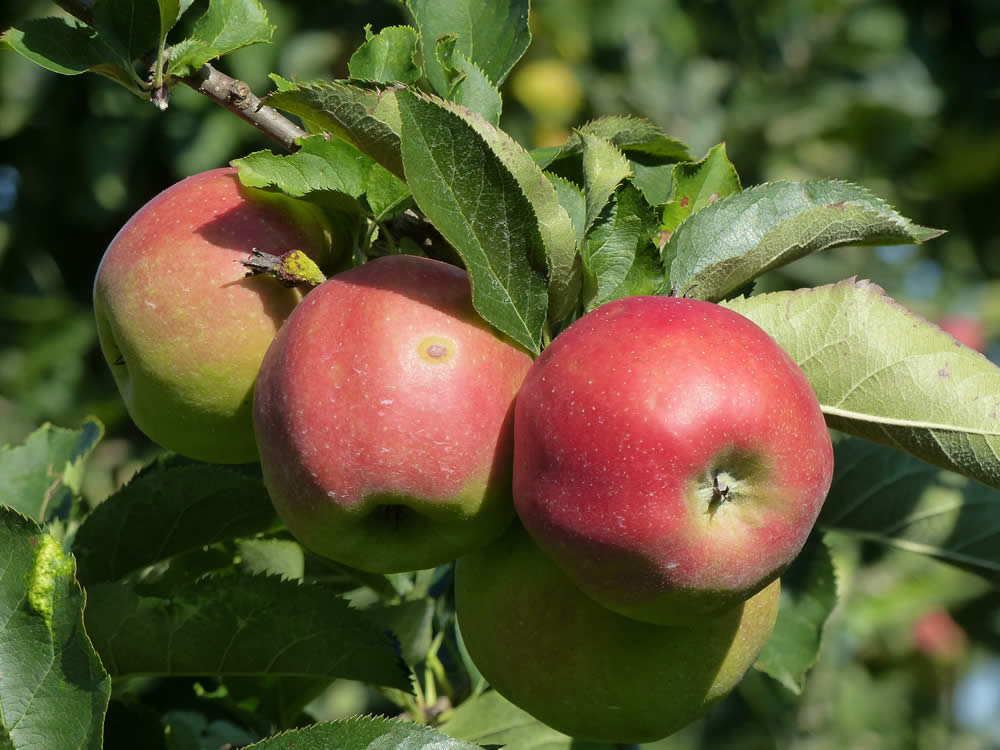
x=966 y=329
x=383 y=412
x=669 y=456
x=585 y=670
x=180 y=326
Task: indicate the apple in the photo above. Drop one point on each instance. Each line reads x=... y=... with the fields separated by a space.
x=966 y=329
x=180 y=326
x=585 y=670
x=383 y=412
x=669 y=456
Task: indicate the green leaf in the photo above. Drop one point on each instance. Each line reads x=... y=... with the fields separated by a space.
x=571 y=198
x=493 y=34
x=132 y=27
x=490 y=719
x=808 y=595
x=386 y=194
x=366 y=118
x=68 y=48
x=556 y=227
x=274 y=557
x=884 y=374
x=656 y=181
x=171 y=506
x=319 y=164
x=477 y=204
x=363 y=733
x=610 y=248
x=41 y=477
x=738 y=238
x=239 y=625
x=604 y=168
x=329 y=165
x=387 y=56
x=890 y=497
x=410 y=623
x=697 y=184
x=631 y=135
x=52 y=684
x=227 y=25
x=468 y=84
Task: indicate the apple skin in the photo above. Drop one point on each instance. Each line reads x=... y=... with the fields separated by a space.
x=622 y=429
x=383 y=412
x=180 y=326
x=585 y=670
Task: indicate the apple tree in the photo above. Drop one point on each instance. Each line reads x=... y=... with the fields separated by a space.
x=184 y=595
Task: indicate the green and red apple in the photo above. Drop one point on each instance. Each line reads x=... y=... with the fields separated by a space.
x=585 y=670
x=383 y=413
x=181 y=327
x=669 y=456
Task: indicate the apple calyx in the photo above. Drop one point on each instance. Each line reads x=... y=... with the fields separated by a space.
x=292 y=268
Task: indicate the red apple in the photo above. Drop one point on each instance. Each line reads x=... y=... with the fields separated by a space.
x=966 y=329
x=383 y=414
x=585 y=670
x=669 y=456
x=180 y=326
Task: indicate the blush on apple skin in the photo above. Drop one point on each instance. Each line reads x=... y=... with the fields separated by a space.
x=384 y=414
x=182 y=329
x=669 y=456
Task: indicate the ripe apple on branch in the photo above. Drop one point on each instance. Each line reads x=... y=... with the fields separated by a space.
x=580 y=458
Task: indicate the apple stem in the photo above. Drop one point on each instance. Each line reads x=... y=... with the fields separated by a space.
x=720 y=493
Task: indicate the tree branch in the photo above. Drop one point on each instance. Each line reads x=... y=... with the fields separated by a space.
x=237 y=97
x=232 y=94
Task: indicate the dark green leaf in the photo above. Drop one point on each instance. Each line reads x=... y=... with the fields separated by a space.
x=132 y=27
x=69 y=49
x=610 y=247
x=738 y=238
x=476 y=203
x=884 y=374
x=366 y=118
x=41 y=477
x=890 y=497
x=410 y=624
x=493 y=34
x=468 y=84
x=239 y=625
x=52 y=684
x=171 y=506
x=808 y=595
x=697 y=184
x=227 y=25
x=387 y=56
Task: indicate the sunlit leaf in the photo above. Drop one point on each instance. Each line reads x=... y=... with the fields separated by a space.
x=887 y=375
x=737 y=238
x=52 y=684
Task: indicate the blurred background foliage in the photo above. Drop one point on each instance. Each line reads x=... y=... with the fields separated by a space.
x=902 y=97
